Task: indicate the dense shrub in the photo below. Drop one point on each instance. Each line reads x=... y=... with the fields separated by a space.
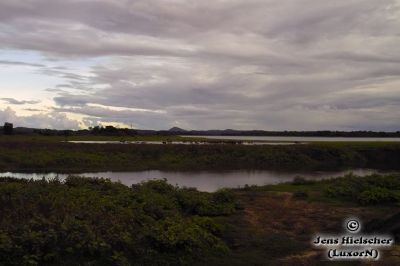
x=376 y=195
x=373 y=189
x=85 y=221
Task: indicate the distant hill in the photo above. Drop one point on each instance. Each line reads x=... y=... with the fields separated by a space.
x=212 y=132
x=324 y=133
x=176 y=129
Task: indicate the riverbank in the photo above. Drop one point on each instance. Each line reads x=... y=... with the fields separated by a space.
x=94 y=221
x=22 y=155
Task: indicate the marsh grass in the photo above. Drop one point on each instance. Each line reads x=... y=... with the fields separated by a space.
x=47 y=154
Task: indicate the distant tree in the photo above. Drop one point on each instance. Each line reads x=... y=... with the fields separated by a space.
x=95 y=130
x=8 y=128
x=110 y=129
x=66 y=133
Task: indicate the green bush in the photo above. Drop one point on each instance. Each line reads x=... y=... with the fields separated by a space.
x=87 y=221
x=373 y=189
x=376 y=195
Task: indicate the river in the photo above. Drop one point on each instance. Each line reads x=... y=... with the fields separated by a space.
x=298 y=139
x=203 y=181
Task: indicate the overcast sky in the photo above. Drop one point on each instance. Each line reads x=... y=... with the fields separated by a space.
x=209 y=64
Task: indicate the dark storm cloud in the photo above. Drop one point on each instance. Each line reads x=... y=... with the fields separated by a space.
x=71 y=100
x=268 y=64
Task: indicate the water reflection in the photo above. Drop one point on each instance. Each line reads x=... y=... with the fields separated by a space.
x=180 y=142
x=299 y=139
x=203 y=181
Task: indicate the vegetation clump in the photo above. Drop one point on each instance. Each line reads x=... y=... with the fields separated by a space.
x=8 y=129
x=85 y=221
x=373 y=189
x=89 y=221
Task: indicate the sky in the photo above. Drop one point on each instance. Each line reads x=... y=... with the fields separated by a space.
x=209 y=64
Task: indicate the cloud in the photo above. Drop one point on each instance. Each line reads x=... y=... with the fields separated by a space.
x=101 y=114
x=52 y=120
x=33 y=110
x=262 y=64
x=17 y=102
x=16 y=63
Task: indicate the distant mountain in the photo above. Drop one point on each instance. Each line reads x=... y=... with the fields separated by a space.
x=176 y=129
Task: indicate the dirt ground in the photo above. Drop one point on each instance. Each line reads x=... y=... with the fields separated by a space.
x=280 y=212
